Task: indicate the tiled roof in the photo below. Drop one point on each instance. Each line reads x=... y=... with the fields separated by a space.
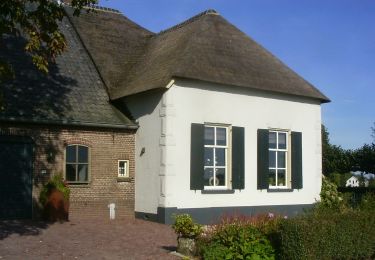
x=72 y=93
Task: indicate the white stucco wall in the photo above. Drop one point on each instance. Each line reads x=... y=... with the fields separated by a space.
x=163 y=171
x=145 y=109
x=192 y=102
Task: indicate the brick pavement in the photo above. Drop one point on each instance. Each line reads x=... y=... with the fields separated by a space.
x=125 y=238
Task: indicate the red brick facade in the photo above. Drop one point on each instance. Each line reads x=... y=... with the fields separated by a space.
x=106 y=147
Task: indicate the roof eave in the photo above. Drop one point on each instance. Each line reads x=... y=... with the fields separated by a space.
x=132 y=126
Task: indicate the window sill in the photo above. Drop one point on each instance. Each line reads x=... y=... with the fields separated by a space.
x=79 y=184
x=279 y=190
x=124 y=179
x=217 y=191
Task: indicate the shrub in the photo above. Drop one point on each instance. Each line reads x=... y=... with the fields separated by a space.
x=236 y=238
x=368 y=202
x=328 y=234
x=56 y=182
x=184 y=226
x=329 y=195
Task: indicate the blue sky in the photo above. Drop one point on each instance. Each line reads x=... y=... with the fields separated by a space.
x=330 y=43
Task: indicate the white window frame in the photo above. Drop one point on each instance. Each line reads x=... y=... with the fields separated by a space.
x=287 y=159
x=126 y=169
x=227 y=152
x=77 y=163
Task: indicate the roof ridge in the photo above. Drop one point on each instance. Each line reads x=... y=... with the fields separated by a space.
x=190 y=20
x=102 y=8
x=94 y=7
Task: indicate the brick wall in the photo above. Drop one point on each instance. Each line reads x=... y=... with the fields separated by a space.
x=106 y=148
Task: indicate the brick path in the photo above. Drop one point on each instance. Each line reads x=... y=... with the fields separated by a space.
x=91 y=239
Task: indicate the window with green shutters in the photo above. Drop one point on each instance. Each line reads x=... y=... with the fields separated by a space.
x=217 y=157
x=279 y=159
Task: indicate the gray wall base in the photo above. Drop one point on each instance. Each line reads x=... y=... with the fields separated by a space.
x=213 y=215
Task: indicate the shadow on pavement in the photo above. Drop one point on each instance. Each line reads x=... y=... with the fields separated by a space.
x=21 y=227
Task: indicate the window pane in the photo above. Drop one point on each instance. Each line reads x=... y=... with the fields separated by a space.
x=208 y=176
x=281 y=178
x=83 y=154
x=272 y=177
x=70 y=172
x=209 y=136
x=282 y=140
x=220 y=177
x=272 y=140
x=221 y=136
x=83 y=172
x=220 y=156
x=122 y=168
x=208 y=156
x=71 y=153
x=272 y=159
x=281 y=159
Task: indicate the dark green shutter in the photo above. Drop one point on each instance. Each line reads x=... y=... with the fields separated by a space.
x=238 y=157
x=296 y=160
x=197 y=157
x=262 y=159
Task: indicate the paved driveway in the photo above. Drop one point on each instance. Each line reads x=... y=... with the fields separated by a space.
x=91 y=239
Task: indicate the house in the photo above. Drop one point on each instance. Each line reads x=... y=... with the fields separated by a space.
x=352 y=182
x=201 y=118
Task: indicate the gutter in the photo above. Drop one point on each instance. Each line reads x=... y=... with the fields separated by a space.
x=72 y=123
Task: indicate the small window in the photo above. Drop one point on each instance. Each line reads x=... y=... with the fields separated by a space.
x=123 y=168
x=215 y=157
x=77 y=163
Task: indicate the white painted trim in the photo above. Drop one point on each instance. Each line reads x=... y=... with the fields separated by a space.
x=170 y=84
x=126 y=169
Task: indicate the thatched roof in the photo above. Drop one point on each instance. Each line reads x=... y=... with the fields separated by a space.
x=206 y=47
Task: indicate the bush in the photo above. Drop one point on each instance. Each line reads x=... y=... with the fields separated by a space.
x=56 y=182
x=328 y=234
x=330 y=197
x=236 y=238
x=368 y=202
x=184 y=226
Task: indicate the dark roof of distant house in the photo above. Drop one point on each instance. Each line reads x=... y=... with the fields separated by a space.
x=206 y=47
x=72 y=93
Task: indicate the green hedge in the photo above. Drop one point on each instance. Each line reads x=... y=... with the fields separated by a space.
x=328 y=235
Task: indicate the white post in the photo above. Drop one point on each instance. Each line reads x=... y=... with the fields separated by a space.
x=111 y=207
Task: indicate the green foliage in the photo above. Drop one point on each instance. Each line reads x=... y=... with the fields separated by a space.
x=365 y=158
x=338 y=160
x=339 y=178
x=236 y=240
x=328 y=234
x=334 y=158
x=367 y=202
x=330 y=197
x=184 y=226
x=56 y=182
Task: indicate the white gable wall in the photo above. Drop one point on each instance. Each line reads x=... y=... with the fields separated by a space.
x=163 y=171
x=192 y=102
x=145 y=109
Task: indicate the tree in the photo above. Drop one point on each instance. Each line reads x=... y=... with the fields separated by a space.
x=37 y=21
x=373 y=132
x=365 y=158
x=334 y=158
